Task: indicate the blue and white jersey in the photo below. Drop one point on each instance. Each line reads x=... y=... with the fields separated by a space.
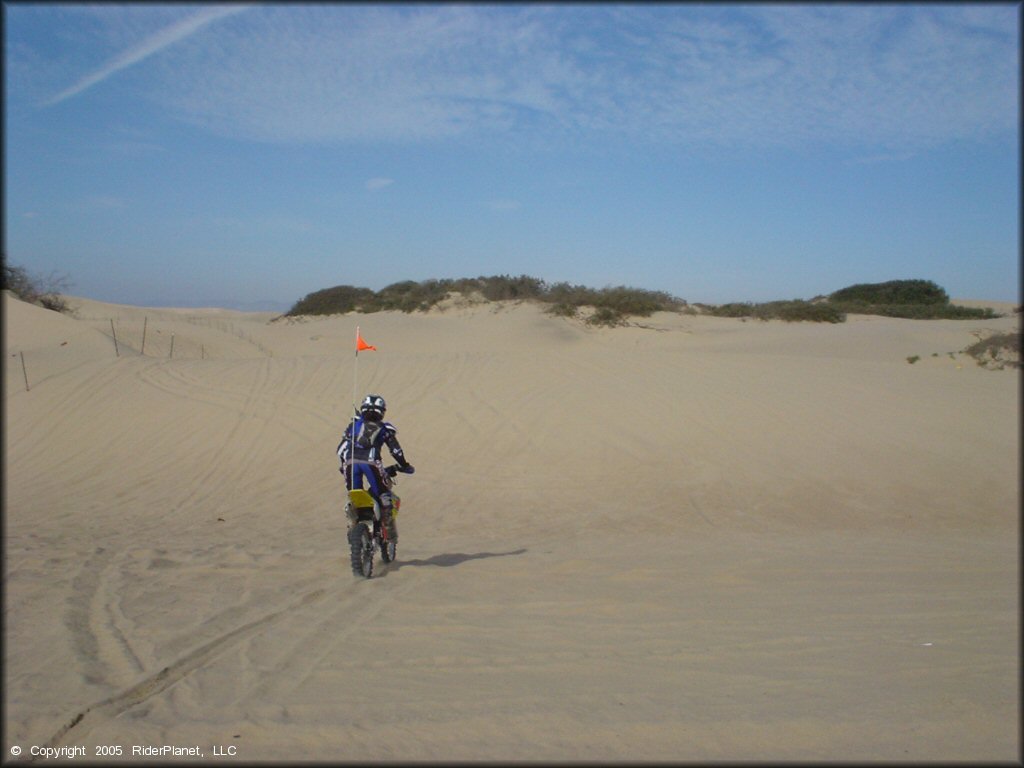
x=370 y=438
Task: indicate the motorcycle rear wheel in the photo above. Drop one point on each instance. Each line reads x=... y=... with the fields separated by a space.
x=388 y=549
x=361 y=542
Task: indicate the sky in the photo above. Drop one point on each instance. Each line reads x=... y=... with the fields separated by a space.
x=245 y=156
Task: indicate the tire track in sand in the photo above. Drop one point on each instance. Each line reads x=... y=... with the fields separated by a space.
x=264 y=402
x=78 y=620
x=154 y=684
x=328 y=629
x=35 y=439
x=287 y=403
x=220 y=472
x=313 y=645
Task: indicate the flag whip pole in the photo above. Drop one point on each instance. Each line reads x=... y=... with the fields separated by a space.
x=352 y=430
x=360 y=344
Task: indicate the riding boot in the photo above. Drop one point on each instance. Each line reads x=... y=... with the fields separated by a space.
x=388 y=521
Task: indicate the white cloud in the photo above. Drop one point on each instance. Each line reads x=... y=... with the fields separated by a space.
x=887 y=77
x=151 y=45
x=379 y=183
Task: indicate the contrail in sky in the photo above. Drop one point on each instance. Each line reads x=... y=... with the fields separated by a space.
x=165 y=37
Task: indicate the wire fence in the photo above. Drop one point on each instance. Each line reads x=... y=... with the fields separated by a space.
x=161 y=337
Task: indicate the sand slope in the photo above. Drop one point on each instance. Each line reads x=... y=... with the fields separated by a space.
x=698 y=539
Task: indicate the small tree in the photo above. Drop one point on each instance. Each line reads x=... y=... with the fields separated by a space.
x=46 y=290
x=17 y=281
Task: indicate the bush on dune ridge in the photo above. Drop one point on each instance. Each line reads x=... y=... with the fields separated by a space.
x=790 y=311
x=611 y=305
x=42 y=290
x=337 y=300
x=920 y=311
x=915 y=299
x=909 y=299
x=908 y=292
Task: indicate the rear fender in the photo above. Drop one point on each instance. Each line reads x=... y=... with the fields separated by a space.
x=363 y=502
x=360 y=499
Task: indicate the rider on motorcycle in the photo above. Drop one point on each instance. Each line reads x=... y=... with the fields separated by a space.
x=371 y=433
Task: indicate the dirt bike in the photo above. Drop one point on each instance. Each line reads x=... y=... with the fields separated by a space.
x=367 y=535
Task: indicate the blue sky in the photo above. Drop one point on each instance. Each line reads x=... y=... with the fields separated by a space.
x=236 y=155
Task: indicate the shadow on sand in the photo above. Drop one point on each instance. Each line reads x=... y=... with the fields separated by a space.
x=448 y=560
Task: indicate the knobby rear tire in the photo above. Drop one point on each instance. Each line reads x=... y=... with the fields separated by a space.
x=362 y=550
x=388 y=550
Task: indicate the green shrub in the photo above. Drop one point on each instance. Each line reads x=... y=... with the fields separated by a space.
x=562 y=309
x=911 y=299
x=570 y=295
x=336 y=300
x=915 y=299
x=997 y=350
x=734 y=309
x=790 y=311
x=634 y=301
x=403 y=296
x=410 y=296
x=795 y=311
x=607 y=316
x=892 y=292
x=916 y=311
x=614 y=304
x=506 y=288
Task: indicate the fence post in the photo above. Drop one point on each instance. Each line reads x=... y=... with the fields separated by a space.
x=172 y=346
x=24 y=370
x=114 y=332
x=145 y=321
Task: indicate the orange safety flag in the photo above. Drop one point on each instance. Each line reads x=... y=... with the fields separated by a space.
x=360 y=344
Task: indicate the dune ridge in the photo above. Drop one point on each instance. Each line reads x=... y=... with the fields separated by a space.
x=692 y=538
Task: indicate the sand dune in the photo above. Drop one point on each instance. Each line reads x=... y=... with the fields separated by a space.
x=690 y=539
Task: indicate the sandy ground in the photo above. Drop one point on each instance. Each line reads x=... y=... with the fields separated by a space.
x=700 y=539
